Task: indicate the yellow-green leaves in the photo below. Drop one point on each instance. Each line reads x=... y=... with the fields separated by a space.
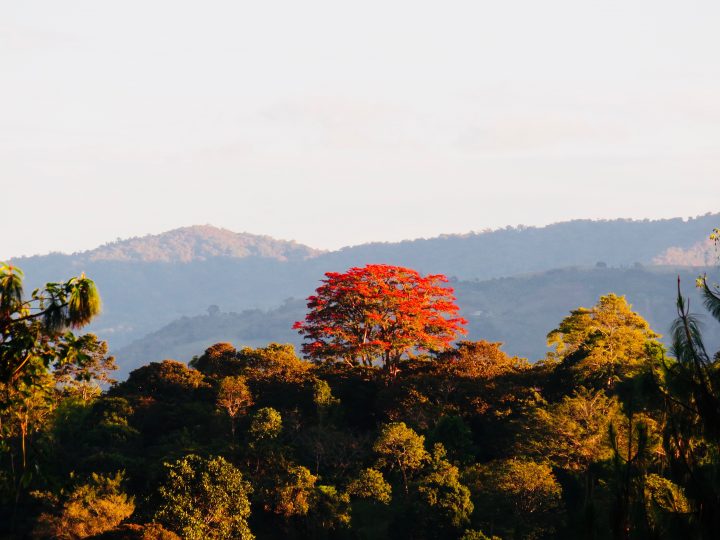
x=370 y=484
x=11 y=289
x=83 y=302
x=604 y=344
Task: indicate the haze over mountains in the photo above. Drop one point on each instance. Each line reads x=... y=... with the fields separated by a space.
x=518 y=311
x=149 y=282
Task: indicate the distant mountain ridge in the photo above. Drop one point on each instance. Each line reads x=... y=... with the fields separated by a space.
x=199 y=243
x=149 y=282
x=518 y=250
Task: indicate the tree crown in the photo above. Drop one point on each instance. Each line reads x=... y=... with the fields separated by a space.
x=379 y=313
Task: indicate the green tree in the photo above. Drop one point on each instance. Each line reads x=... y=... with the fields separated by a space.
x=370 y=484
x=275 y=360
x=205 y=498
x=87 y=367
x=398 y=446
x=444 y=504
x=95 y=436
x=292 y=492
x=169 y=381
x=90 y=508
x=218 y=360
x=265 y=425
x=25 y=412
x=330 y=510
x=479 y=359
x=516 y=498
x=34 y=340
x=264 y=452
x=371 y=496
x=573 y=433
x=234 y=397
x=455 y=436
x=323 y=398
x=605 y=344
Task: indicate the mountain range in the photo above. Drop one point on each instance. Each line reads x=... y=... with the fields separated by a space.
x=512 y=284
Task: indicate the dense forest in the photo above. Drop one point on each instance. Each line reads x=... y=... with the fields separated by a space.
x=391 y=424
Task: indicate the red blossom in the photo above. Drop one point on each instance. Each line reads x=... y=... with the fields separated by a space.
x=379 y=313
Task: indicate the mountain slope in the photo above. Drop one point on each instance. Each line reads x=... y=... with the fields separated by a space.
x=199 y=243
x=519 y=250
x=518 y=311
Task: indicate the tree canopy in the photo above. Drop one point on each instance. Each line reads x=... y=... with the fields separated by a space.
x=379 y=313
x=604 y=344
x=205 y=498
x=611 y=437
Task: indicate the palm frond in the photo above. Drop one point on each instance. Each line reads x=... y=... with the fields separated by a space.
x=694 y=362
x=11 y=287
x=711 y=298
x=55 y=316
x=83 y=303
x=687 y=341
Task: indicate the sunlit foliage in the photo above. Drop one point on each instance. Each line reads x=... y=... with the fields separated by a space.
x=610 y=436
x=87 y=509
x=205 y=498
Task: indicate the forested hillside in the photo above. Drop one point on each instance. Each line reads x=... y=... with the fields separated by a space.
x=198 y=243
x=396 y=424
x=516 y=250
x=366 y=270
x=141 y=278
x=517 y=311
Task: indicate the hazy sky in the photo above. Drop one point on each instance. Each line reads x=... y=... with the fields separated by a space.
x=336 y=123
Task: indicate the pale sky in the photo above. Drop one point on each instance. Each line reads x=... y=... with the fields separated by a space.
x=337 y=123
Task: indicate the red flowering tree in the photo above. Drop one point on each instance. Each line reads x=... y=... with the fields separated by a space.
x=379 y=313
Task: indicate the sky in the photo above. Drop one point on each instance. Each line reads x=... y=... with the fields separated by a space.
x=336 y=123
